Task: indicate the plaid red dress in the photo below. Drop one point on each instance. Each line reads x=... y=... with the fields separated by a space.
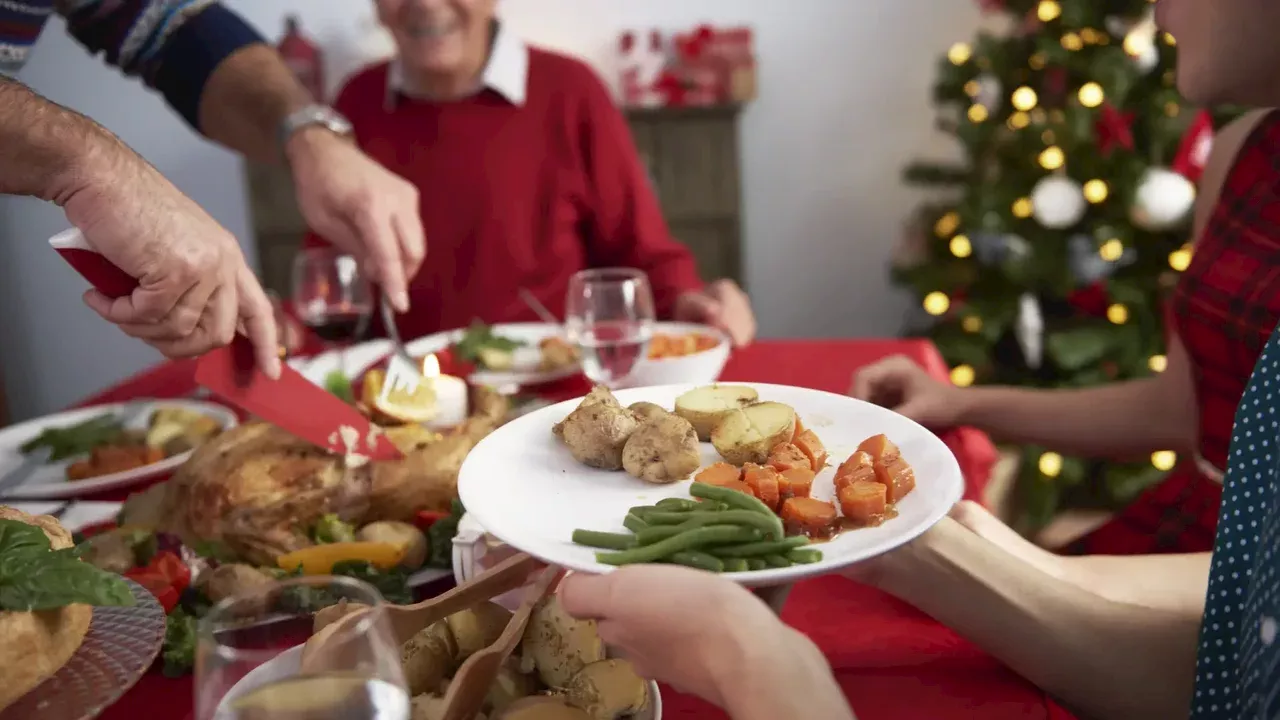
x=1224 y=309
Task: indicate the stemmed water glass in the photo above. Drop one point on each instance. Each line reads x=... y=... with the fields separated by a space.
x=609 y=315
x=331 y=297
x=248 y=659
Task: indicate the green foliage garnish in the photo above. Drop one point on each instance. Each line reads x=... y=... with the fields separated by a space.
x=33 y=576
x=480 y=337
x=337 y=383
x=332 y=529
x=440 y=537
x=78 y=439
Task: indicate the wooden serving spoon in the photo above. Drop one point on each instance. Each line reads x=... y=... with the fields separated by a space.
x=406 y=620
x=470 y=686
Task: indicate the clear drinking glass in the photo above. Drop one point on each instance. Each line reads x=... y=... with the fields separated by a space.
x=330 y=296
x=609 y=315
x=248 y=656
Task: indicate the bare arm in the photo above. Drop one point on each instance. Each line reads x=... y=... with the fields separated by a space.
x=1103 y=659
x=792 y=681
x=1177 y=583
x=247 y=98
x=1116 y=420
x=50 y=152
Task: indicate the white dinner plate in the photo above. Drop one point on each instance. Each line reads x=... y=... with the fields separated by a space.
x=289 y=663
x=358 y=359
x=50 y=480
x=522 y=485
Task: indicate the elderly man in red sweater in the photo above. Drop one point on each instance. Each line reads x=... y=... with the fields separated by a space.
x=526 y=171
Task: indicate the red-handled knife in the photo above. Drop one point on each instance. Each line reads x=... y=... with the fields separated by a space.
x=291 y=402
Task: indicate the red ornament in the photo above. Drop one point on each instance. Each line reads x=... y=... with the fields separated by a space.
x=989 y=6
x=1113 y=128
x=672 y=89
x=1193 y=151
x=1091 y=299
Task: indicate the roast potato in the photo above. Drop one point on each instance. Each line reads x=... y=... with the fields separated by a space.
x=748 y=434
x=542 y=707
x=703 y=407
x=427 y=658
x=597 y=430
x=646 y=411
x=231 y=579
x=607 y=690
x=477 y=627
x=662 y=450
x=411 y=541
x=558 y=644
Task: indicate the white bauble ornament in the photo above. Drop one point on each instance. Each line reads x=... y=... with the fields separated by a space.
x=989 y=92
x=1028 y=329
x=1138 y=39
x=1163 y=200
x=1057 y=202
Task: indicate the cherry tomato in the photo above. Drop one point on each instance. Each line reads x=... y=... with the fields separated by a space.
x=168 y=565
x=158 y=585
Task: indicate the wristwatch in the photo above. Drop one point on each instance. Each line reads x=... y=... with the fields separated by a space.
x=322 y=115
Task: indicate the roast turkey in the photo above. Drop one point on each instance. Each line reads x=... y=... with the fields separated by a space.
x=258 y=490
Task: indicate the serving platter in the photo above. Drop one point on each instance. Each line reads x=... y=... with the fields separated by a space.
x=524 y=487
x=120 y=646
x=49 y=481
x=289 y=663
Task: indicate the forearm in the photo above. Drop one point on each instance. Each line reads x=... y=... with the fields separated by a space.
x=247 y=99
x=1176 y=583
x=1116 y=420
x=1102 y=658
x=790 y=680
x=50 y=152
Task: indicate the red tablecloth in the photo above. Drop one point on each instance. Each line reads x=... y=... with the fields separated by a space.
x=892 y=661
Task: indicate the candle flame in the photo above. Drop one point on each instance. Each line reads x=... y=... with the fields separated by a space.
x=431 y=366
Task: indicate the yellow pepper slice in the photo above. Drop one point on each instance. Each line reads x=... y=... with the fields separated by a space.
x=320 y=559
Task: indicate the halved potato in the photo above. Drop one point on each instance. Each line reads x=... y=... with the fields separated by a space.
x=749 y=434
x=703 y=407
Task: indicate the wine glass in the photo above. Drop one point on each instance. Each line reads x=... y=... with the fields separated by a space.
x=609 y=315
x=331 y=297
x=248 y=659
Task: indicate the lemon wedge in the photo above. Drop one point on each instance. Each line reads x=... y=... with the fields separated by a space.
x=418 y=406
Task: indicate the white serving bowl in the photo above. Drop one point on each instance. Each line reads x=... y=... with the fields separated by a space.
x=700 y=367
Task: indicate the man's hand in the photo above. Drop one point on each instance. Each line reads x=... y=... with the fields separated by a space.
x=194 y=288
x=900 y=384
x=722 y=305
x=360 y=207
x=708 y=636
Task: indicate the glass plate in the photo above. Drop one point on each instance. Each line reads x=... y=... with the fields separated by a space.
x=120 y=646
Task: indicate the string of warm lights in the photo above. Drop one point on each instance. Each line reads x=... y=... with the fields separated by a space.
x=1050 y=463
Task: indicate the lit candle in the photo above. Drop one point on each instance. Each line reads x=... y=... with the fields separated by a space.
x=450 y=395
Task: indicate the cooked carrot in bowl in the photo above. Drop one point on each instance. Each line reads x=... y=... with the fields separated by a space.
x=662 y=346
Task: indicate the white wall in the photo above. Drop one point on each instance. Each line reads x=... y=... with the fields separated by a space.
x=844 y=104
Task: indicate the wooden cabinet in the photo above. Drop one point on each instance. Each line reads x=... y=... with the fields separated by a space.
x=692 y=156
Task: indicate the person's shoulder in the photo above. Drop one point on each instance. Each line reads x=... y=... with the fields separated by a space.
x=1228 y=143
x=566 y=77
x=369 y=84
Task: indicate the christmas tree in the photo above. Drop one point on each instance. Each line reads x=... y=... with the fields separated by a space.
x=1049 y=259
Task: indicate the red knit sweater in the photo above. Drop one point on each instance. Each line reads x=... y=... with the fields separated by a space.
x=518 y=196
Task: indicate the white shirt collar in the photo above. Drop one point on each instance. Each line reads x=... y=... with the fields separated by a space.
x=506 y=72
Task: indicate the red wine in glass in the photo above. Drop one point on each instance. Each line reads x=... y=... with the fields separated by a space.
x=338 y=327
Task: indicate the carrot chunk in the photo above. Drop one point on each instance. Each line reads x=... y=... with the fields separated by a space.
x=786 y=456
x=811 y=446
x=858 y=467
x=799 y=429
x=880 y=447
x=763 y=481
x=863 y=501
x=718 y=473
x=897 y=477
x=811 y=517
x=796 y=482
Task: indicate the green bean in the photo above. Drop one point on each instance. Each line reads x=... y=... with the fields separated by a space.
x=760 y=548
x=666 y=517
x=804 y=556
x=611 y=541
x=676 y=504
x=756 y=563
x=654 y=533
x=642 y=511
x=771 y=528
x=699 y=560
x=735 y=565
x=710 y=506
x=777 y=561
x=688 y=540
x=634 y=523
x=732 y=498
